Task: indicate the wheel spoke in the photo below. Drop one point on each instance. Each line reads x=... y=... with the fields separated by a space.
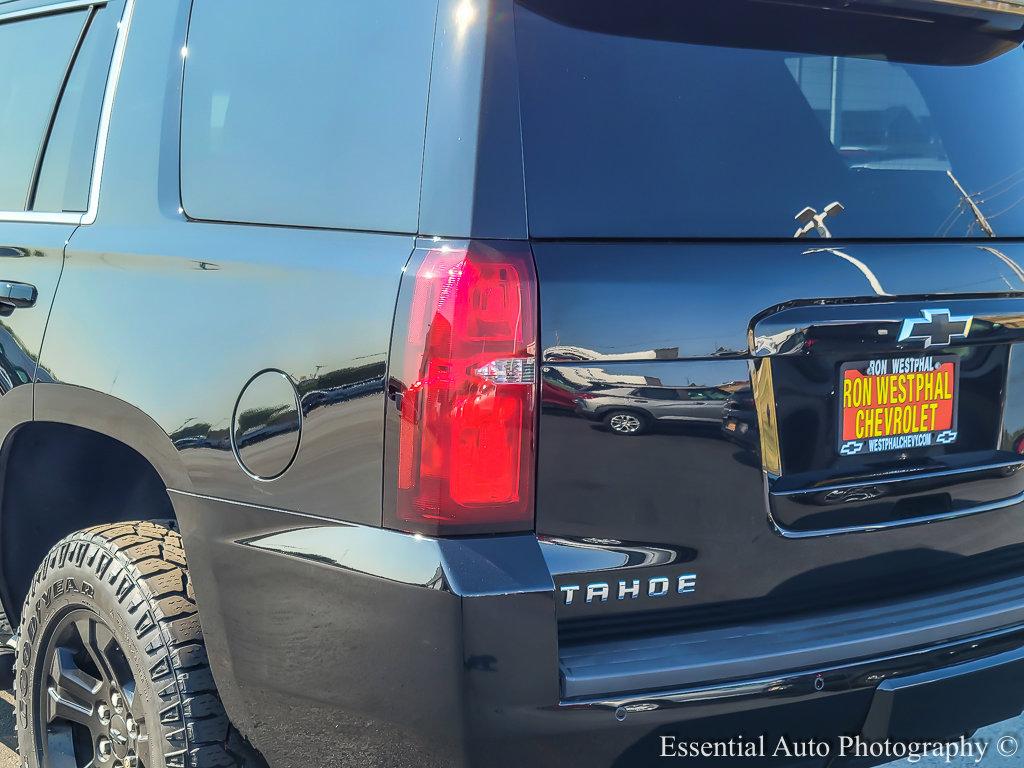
x=73 y=694
x=135 y=708
x=96 y=638
x=89 y=714
x=137 y=711
x=59 y=747
x=64 y=708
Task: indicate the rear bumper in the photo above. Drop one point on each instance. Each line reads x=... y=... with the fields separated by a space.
x=344 y=645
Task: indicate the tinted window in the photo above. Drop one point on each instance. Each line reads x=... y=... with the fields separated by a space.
x=67 y=165
x=703 y=394
x=660 y=133
x=34 y=56
x=306 y=114
x=656 y=393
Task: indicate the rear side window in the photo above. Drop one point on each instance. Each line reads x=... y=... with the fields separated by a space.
x=67 y=166
x=654 y=119
x=308 y=115
x=34 y=57
x=657 y=393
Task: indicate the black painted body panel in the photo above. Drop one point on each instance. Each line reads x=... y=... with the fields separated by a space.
x=176 y=274
x=337 y=642
x=30 y=254
x=617 y=316
x=192 y=311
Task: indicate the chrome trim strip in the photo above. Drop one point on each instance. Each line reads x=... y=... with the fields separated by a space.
x=902 y=478
x=40 y=217
x=46 y=10
x=113 y=79
x=782 y=332
x=991 y=506
x=858 y=674
x=565 y=556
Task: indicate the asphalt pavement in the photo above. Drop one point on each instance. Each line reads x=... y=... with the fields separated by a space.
x=8 y=741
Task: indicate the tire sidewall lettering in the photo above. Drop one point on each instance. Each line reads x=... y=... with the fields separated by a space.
x=66 y=588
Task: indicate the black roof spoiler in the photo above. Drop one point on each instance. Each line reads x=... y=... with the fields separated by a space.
x=1002 y=14
x=944 y=32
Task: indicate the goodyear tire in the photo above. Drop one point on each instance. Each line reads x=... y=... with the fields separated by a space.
x=111 y=668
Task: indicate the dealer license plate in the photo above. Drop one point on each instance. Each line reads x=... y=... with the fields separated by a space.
x=896 y=404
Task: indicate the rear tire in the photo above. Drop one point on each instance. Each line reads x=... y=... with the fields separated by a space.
x=626 y=422
x=111 y=666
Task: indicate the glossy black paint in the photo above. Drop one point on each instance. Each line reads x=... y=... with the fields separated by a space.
x=698 y=488
x=497 y=701
x=473 y=160
x=335 y=641
x=31 y=255
x=266 y=426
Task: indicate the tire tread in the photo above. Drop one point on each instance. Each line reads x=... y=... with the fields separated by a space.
x=149 y=573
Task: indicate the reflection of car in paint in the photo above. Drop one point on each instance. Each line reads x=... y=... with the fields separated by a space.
x=635 y=410
x=262 y=433
x=739 y=419
x=559 y=397
x=319 y=398
x=212 y=440
x=404 y=560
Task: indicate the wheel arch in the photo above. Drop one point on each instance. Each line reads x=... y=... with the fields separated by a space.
x=116 y=419
x=87 y=458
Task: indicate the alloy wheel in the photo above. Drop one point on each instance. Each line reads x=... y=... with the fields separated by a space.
x=88 y=713
x=626 y=423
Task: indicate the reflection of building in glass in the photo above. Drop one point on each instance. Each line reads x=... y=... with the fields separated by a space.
x=568 y=354
x=873 y=112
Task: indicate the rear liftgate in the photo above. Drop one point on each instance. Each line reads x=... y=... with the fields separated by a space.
x=919 y=407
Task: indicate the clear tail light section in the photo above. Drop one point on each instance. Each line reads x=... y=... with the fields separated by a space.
x=463 y=392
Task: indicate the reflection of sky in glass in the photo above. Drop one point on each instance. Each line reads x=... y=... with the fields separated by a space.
x=27 y=97
x=328 y=132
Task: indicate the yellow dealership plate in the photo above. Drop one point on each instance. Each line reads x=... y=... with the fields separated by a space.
x=895 y=404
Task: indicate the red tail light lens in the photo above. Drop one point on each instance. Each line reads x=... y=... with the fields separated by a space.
x=466 y=391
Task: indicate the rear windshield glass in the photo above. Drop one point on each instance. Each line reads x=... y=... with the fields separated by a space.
x=632 y=136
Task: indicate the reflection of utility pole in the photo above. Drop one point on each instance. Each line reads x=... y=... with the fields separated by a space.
x=184 y=424
x=978 y=215
x=863 y=268
x=833 y=122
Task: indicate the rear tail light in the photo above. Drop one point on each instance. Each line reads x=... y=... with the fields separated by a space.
x=464 y=386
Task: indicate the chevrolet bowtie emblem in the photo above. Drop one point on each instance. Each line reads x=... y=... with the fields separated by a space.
x=937 y=328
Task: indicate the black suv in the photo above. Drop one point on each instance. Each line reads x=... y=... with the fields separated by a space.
x=299 y=303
